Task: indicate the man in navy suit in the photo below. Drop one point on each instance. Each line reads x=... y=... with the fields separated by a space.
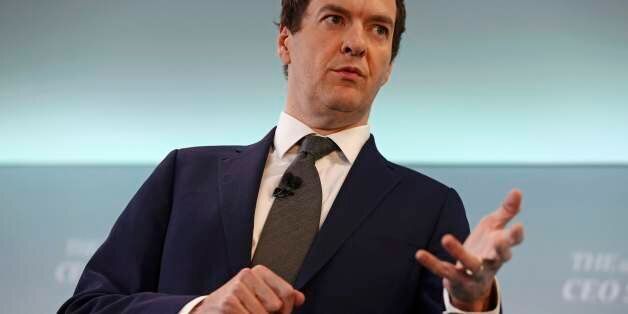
x=387 y=234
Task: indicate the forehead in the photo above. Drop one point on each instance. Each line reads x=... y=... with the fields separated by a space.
x=357 y=7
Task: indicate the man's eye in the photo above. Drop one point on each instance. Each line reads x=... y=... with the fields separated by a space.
x=381 y=30
x=334 y=19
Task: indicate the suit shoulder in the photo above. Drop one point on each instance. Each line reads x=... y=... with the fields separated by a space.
x=200 y=154
x=207 y=151
x=412 y=176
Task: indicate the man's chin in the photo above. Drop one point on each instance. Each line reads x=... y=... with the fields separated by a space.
x=345 y=99
x=344 y=104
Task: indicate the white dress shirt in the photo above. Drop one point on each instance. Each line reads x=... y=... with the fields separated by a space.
x=332 y=170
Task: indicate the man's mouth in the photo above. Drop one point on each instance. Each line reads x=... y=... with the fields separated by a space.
x=350 y=73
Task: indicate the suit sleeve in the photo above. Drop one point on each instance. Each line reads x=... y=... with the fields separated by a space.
x=452 y=220
x=123 y=274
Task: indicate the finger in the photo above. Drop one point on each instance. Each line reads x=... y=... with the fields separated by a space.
x=440 y=268
x=507 y=240
x=505 y=254
x=235 y=305
x=299 y=298
x=281 y=288
x=502 y=248
x=457 y=251
x=262 y=291
x=508 y=210
x=248 y=299
x=516 y=234
x=492 y=265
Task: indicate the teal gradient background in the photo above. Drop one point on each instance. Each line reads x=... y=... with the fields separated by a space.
x=487 y=81
x=53 y=219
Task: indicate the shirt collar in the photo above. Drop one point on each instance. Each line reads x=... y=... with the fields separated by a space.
x=290 y=130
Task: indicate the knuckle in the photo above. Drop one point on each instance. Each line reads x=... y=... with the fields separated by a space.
x=244 y=272
x=274 y=306
x=259 y=268
x=503 y=244
x=227 y=303
x=285 y=292
x=237 y=283
x=232 y=300
x=237 y=288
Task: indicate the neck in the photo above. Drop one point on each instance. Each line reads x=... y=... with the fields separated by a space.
x=325 y=125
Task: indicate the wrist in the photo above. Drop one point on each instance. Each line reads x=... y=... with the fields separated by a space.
x=487 y=302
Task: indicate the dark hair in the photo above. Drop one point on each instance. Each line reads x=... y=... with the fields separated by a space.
x=292 y=13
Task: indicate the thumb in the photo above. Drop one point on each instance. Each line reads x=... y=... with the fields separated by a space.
x=299 y=298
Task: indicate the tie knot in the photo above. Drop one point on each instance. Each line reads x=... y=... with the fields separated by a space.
x=317 y=146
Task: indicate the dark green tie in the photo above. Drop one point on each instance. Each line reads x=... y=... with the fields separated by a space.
x=294 y=217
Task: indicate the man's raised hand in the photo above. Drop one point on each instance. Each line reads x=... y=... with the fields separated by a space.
x=487 y=248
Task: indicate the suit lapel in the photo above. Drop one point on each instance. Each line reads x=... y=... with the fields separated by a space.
x=368 y=181
x=240 y=177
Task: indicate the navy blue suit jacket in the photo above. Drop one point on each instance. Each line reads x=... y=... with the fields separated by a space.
x=188 y=230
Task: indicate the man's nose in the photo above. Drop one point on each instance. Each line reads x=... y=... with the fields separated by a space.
x=354 y=43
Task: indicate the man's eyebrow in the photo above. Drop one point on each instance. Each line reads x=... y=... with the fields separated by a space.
x=334 y=8
x=342 y=11
x=381 y=19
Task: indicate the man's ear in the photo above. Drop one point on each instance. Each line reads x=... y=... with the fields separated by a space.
x=283 y=39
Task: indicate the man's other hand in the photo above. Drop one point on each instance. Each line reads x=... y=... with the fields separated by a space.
x=252 y=290
x=487 y=248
